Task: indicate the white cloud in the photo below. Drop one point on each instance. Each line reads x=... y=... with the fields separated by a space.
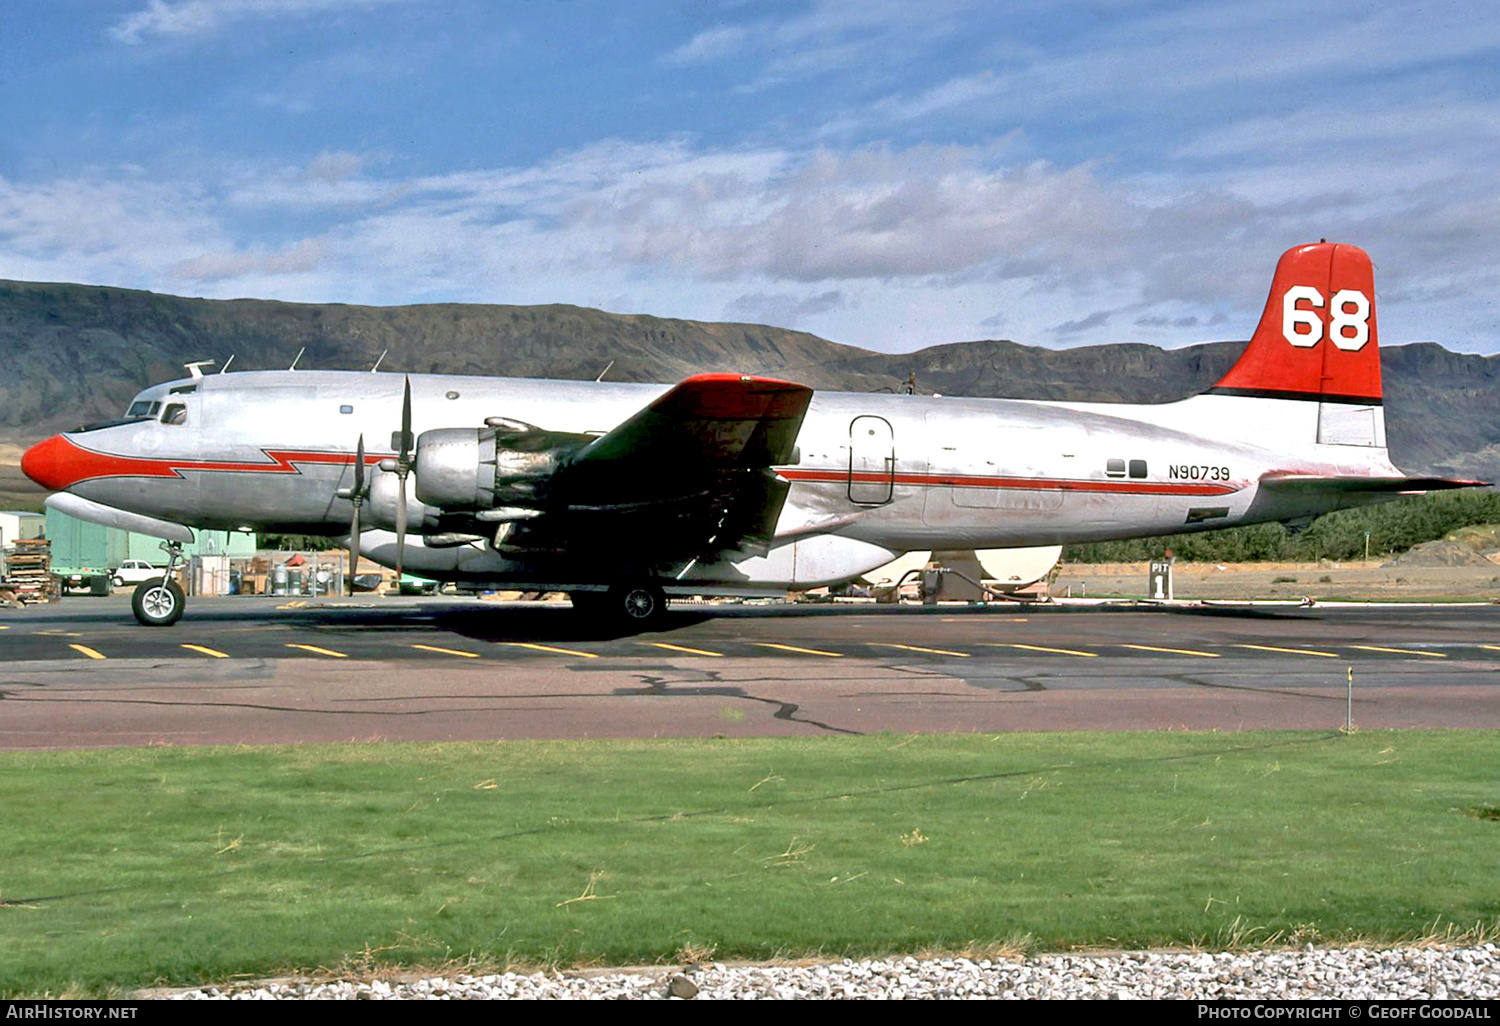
x=710 y=45
x=110 y=226
x=830 y=36
x=785 y=309
x=300 y=257
x=196 y=18
x=890 y=248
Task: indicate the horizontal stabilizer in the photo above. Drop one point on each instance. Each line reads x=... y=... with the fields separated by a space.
x=1351 y=483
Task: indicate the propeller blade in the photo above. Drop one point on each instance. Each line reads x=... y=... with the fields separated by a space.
x=400 y=528
x=359 y=469
x=353 y=549
x=406 y=440
x=357 y=496
x=403 y=470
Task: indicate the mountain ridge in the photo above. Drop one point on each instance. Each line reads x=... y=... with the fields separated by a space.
x=77 y=353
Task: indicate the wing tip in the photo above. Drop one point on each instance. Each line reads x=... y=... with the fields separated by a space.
x=735 y=396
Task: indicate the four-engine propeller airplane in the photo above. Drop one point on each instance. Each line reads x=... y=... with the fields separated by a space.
x=624 y=494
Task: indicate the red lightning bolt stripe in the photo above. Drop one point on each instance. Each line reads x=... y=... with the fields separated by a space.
x=60 y=463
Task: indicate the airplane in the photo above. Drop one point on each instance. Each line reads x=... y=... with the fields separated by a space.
x=623 y=495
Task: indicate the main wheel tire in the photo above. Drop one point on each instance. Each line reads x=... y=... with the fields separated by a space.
x=640 y=604
x=158 y=603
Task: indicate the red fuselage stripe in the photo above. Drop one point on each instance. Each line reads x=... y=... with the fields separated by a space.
x=87 y=465
x=1133 y=487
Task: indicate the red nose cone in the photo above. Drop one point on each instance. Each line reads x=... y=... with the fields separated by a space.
x=51 y=463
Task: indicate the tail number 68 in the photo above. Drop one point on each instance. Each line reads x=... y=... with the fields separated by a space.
x=1348 y=320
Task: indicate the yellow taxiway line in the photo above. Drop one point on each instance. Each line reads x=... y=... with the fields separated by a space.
x=1176 y=651
x=448 y=651
x=1401 y=651
x=549 y=648
x=1291 y=651
x=803 y=651
x=319 y=651
x=207 y=651
x=919 y=648
x=689 y=651
x=91 y=653
x=1044 y=648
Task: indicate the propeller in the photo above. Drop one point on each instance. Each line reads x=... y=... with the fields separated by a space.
x=403 y=471
x=357 y=496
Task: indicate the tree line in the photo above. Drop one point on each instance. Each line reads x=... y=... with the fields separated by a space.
x=1393 y=527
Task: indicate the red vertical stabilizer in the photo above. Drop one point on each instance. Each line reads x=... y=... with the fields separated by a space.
x=1317 y=338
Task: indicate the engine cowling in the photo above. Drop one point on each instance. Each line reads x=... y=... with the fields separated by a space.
x=462 y=469
x=380 y=506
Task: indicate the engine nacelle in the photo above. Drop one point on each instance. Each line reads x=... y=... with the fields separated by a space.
x=482 y=468
x=381 y=506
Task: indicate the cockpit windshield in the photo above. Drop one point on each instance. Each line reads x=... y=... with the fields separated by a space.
x=143 y=408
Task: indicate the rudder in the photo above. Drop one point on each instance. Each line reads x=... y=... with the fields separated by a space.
x=1317 y=341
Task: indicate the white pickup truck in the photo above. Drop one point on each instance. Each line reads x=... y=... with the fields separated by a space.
x=135 y=571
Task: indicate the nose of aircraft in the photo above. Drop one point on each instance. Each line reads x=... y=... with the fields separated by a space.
x=51 y=463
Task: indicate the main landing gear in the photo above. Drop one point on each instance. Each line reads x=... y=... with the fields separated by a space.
x=159 y=602
x=636 y=606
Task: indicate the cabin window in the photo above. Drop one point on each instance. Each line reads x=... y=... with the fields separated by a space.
x=346 y=408
x=1115 y=468
x=175 y=413
x=1137 y=468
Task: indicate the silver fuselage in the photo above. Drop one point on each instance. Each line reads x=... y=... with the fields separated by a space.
x=874 y=475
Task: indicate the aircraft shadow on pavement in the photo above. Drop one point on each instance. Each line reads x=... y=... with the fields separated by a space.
x=543 y=625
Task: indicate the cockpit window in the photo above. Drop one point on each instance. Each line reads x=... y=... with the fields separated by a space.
x=143 y=408
x=175 y=413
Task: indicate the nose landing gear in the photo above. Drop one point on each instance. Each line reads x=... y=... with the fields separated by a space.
x=159 y=602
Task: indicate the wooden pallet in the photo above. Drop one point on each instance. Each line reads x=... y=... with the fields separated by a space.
x=28 y=572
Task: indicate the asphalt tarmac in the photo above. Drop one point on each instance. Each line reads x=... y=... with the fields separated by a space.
x=81 y=673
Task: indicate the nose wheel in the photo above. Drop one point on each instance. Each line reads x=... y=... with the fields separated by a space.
x=160 y=602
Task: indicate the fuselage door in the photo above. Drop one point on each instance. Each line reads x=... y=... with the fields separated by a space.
x=872 y=461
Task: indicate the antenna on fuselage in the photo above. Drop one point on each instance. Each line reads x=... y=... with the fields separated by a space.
x=196 y=368
x=227 y=363
x=605 y=371
x=296 y=358
x=377 y=362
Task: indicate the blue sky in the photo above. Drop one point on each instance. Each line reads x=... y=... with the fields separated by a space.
x=885 y=174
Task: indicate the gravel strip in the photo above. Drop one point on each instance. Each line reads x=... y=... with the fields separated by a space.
x=1358 y=974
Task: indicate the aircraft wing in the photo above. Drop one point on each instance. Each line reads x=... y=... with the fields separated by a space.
x=1350 y=483
x=692 y=471
x=723 y=421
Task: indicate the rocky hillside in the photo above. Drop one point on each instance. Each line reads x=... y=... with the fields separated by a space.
x=75 y=353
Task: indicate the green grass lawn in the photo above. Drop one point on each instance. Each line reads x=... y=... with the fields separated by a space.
x=128 y=867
